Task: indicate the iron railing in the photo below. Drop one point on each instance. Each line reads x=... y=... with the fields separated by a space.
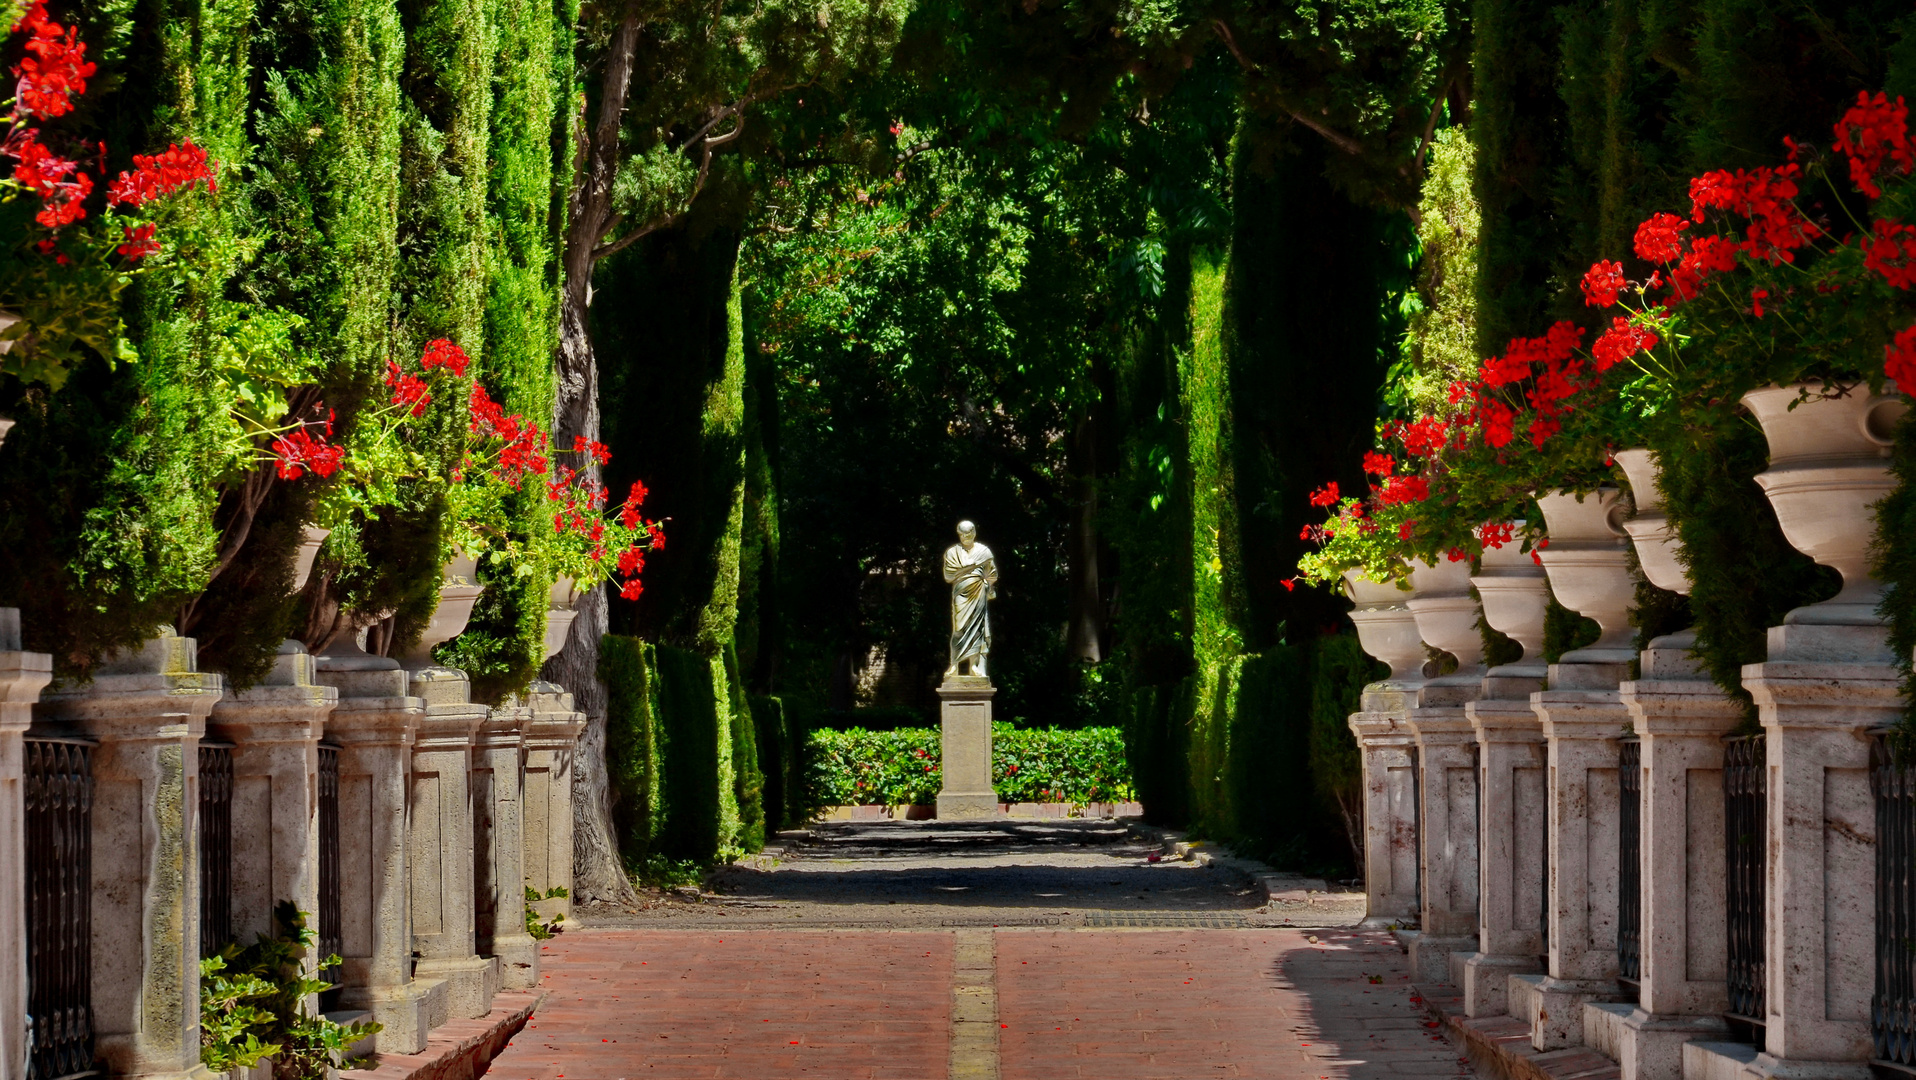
x=59 y=871
x=1746 y=832
x=1892 y=1012
x=1417 y=808
x=216 y=846
x=1630 y=865
x=1543 y=901
x=331 y=938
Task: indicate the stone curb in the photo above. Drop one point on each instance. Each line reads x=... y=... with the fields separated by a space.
x=1499 y=1046
x=458 y=1049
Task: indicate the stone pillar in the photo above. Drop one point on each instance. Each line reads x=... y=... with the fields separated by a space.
x=443 y=915
x=275 y=728
x=22 y=676
x=499 y=847
x=1818 y=695
x=1512 y=757
x=1681 y=718
x=375 y=724
x=964 y=713
x=1390 y=805
x=550 y=738
x=147 y=709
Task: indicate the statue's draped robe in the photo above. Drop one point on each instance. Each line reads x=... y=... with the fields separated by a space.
x=970 y=574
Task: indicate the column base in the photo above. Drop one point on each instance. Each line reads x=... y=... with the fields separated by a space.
x=1554 y=1007
x=1485 y=980
x=968 y=806
x=115 y=1049
x=1740 y=1061
x=518 y=957
x=1647 y=1045
x=471 y=982
x=1430 y=955
x=404 y=1013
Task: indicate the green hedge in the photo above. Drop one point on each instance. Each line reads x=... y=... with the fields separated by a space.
x=862 y=768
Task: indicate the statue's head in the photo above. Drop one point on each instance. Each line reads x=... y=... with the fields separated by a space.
x=967 y=534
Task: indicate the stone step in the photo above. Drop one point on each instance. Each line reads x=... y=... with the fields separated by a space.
x=1499 y=1046
x=458 y=1049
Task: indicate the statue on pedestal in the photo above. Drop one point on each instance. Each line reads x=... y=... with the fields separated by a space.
x=973 y=575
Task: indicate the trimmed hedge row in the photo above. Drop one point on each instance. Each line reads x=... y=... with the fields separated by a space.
x=858 y=767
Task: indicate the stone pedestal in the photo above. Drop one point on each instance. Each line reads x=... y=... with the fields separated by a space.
x=1447 y=820
x=964 y=714
x=147 y=709
x=275 y=729
x=1681 y=718
x=499 y=848
x=550 y=738
x=1390 y=803
x=1582 y=718
x=1820 y=692
x=374 y=724
x=443 y=910
x=1511 y=753
x=22 y=676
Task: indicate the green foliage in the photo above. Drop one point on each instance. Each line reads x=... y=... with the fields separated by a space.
x=253 y=1005
x=1156 y=742
x=856 y=767
x=781 y=755
x=1441 y=344
x=629 y=669
x=1340 y=669
x=1896 y=560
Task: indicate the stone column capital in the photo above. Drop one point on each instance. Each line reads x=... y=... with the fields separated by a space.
x=1380 y=729
x=554 y=730
x=1502 y=720
x=448 y=728
x=373 y=721
x=959 y=688
x=1810 y=694
x=1441 y=727
x=263 y=715
x=1569 y=715
x=1680 y=708
x=1391 y=696
x=505 y=727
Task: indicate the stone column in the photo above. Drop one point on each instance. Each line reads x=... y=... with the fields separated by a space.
x=1583 y=718
x=1388 y=631
x=964 y=712
x=147 y=709
x=499 y=847
x=22 y=676
x=1446 y=617
x=1681 y=718
x=375 y=724
x=550 y=738
x=1818 y=695
x=443 y=916
x=1511 y=759
x=275 y=728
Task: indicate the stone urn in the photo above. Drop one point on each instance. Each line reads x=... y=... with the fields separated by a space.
x=1588 y=561
x=561 y=611
x=1828 y=468
x=1446 y=616
x=1514 y=593
x=1385 y=626
x=1650 y=529
x=311 y=539
x=457 y=593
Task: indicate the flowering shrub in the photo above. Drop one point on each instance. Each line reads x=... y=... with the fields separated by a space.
x=1759 y=284
x=62 y=278
x=857 y=767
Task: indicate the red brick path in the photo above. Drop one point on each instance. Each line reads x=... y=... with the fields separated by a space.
x=1104 y=1005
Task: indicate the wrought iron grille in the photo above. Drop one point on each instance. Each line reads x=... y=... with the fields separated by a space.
x=59 y=824
x=1543 y=916
x=1892 y=1014
x=1745 y=816
x=216 y=846
x=331 y=939
x=1417 y=808
x=1630 y=865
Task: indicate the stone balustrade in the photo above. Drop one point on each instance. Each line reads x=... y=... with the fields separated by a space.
x=446 y=813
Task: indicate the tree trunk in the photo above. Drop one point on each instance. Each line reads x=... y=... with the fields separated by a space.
x=1085 y=642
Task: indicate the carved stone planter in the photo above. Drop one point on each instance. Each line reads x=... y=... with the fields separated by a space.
x=1388 y=631
x=1650 y=529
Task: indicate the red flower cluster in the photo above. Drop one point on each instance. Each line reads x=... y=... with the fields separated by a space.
x=1496 y=535
x=409 y=390
x=1622 y=341
x=1763 y=196
x=1657 y=240
x=1602 y=283
x=157 y=175
x=299 y=450
x=1403 y=489
x=1378 y=464
x=442 y=353
x=1899 y=360
x=1326 y=495
x=1872 y=132
x=1707 y=255
x=1891 y=252
x=139 y=241
x=55 y=69
x=46 y=174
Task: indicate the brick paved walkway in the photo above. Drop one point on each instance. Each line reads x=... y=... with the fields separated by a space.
x=869 y=1005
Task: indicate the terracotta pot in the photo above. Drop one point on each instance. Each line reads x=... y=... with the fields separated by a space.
x=1514 y=593
x=1385 y=626
x=1446 y=614
x=1588 y=561
x=1650 y=530
x=310 y=540
x=560 y=614
x=1828 y=469
x=459 y=591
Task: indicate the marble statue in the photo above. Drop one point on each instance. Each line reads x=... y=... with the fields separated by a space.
x=973 y=573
